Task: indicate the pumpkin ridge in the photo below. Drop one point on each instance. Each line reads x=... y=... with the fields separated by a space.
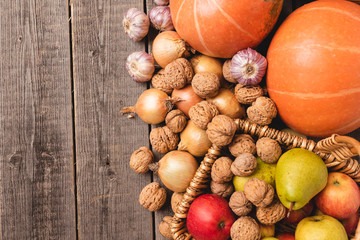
x=308 y=95
x=178 y=12
x=330 y=9
x=198 y=29
x=230 y=19
x=310 y=46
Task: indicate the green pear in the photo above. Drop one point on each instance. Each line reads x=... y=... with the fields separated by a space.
x=264 y=171
x=321 y=227
x=300 y=175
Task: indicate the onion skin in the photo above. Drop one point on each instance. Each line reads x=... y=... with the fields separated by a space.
x=153 y=105
x=227 y=104
x=176 y=170
x=194 y=140
x=167 y=47
x=203 y=63
x=185 y=98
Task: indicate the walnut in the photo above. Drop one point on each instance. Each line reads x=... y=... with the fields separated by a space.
x=188 y=69
x=222 y=189
x=152 y=197
x=244 y=165
x=259 y=192
x=272 y=213
x=262 y=111
x=176 y=199
x=165 y=227
x=268 y=150
x=227 y=71
x=159 y=81
x=220 y=171
x=239 y=204
x=206 y=84
x=248 y=94
x=242 y=143
x=245 y=228
x=140 y=160
x=176 y=121
x=221 y=130
x=202 y=113
x=175 y=75
x=163 y=139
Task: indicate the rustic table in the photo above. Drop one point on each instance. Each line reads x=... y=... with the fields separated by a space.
x=64 y=144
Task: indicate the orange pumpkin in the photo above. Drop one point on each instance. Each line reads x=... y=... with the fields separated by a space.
x=314 y=68
x=220 y=28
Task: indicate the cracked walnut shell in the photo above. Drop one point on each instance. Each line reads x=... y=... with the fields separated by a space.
x=176 y=121
x=239 y=204
x=271 y=214
x=245 y=228
x=262 y=111
x=268 y=150
x=165 y=227
x=206 y=84
x=220 y=171
x=259 y=192
x=140 y=160
x=152 y=197
x=221 y=130
x=163 y=139
x=248 y=94
x=202 y=113
x=222 y=189
x=242 y=143
x=244 y=165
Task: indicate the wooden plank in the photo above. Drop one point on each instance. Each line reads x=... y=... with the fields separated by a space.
x=108 y=189
x=36 y=148
x=166 y=209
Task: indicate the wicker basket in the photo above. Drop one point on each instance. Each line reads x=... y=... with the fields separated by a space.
x=336 y=151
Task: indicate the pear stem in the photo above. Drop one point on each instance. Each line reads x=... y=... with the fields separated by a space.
x=290 y=209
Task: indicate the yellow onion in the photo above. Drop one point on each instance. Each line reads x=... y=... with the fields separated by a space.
x=194 y=140
x=203 y=63
x=176 y=170
x=227 y=104
x=167 y=47
x=152 y=106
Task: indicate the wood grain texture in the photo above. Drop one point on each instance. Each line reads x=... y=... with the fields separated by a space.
x=108 y=189
x=36 y=148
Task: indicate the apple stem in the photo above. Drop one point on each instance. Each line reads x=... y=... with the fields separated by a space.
x=290 y=209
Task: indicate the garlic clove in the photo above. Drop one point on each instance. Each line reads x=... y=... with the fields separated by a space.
x=248 y=67
x=161 y=2
x=160 y=18
x=140 y=66
x=136 y=24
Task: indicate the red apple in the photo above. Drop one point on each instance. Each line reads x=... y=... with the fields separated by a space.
x=351 y=223
x=286 y=236
x=210 y=218
x=340 y=198
x=297 y=215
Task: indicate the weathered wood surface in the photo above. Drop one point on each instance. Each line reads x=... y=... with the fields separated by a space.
x=107 y=188
x=65 y=146
x=37 y=194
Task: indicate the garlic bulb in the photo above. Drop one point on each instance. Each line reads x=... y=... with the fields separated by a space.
x=140 y=66
x=160 y=18
x=161 y=2
x=248 y=67
x=136 y=24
